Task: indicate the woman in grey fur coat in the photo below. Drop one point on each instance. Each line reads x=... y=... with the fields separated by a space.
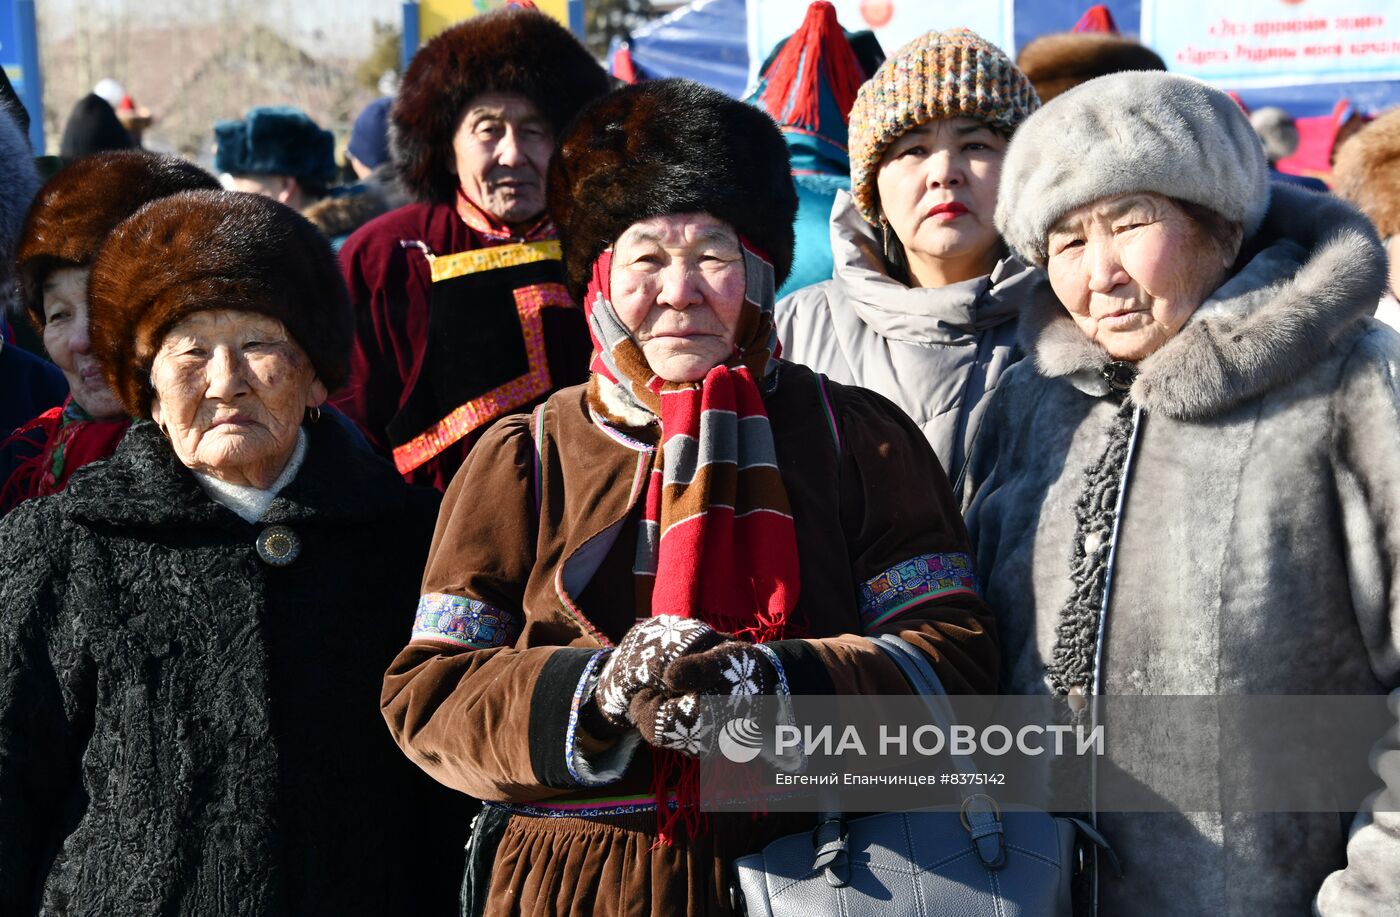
x=1211 y=408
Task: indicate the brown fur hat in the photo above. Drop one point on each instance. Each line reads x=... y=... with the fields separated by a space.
x=76 y=210
x=213 y=250
x=511 y=50
x=1367 y=172
x=1060 y=61
x=670 y=146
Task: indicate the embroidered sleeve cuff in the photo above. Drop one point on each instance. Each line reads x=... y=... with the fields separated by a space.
x=607 y=766
x=553 y=725
x=911 y=583
x=465 y=622
x=795 y=760
x=784 y=689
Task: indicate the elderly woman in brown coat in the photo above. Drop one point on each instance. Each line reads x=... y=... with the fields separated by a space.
x=700 y=519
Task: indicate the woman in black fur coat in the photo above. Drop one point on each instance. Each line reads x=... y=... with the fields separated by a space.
x=193 y=634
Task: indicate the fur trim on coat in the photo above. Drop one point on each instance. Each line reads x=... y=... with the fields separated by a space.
x=79 y=207
x=1247 y=337
x=214 y=250
x=1058 y=62
x=339 y=216
x=1130 y=133
x=1367 y=172
x=509 y=50
x=670 y=146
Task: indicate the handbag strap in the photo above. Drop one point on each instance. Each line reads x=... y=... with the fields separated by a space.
x=980 y=814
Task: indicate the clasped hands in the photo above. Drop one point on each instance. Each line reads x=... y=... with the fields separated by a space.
x=654 y=680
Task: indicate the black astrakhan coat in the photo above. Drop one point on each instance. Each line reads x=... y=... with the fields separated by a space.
x=187 y=730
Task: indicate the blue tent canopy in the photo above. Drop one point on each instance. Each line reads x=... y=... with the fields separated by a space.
x=707 y=41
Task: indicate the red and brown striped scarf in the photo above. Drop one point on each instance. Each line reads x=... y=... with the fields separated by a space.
x=717 y=540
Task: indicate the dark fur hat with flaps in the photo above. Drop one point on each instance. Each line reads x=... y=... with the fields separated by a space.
x=76 y=210
x=511 y=50
x=209 y=250
x=670 y=146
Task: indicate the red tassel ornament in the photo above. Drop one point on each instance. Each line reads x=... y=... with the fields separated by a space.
x=791 y=95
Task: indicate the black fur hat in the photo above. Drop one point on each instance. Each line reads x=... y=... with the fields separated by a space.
x=513 y=50
x=670 y=146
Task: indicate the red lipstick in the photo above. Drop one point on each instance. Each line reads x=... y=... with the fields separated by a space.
x=949 y=211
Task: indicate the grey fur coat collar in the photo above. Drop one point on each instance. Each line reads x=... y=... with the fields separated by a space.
x=1256 y=331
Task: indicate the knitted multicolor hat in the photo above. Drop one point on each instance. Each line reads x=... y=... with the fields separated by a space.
x=953 y=74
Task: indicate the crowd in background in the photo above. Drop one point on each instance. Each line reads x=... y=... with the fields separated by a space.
x=557 y=408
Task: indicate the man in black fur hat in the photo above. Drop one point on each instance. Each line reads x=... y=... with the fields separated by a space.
x=461 y=307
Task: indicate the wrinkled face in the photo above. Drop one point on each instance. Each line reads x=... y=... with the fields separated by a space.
x=66 y=340
x=1131 y=269
x=938 y=191
x=231 y=388
x=678 y=286
x=501 y=151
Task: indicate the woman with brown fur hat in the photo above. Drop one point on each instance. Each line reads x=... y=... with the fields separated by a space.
x=67 y=223
x=462 y=315
x=698 y=508
x=194 y=630
x=1367 y=173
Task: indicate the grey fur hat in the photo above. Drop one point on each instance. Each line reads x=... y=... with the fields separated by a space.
x=1277 y=130
x=1127 y=133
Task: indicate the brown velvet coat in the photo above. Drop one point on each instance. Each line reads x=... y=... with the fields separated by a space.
x=491 y=721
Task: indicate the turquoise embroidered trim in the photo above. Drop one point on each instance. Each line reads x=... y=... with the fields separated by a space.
x=586 y=682
x=916 y=580
x=783 y=690
x=463 y=621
